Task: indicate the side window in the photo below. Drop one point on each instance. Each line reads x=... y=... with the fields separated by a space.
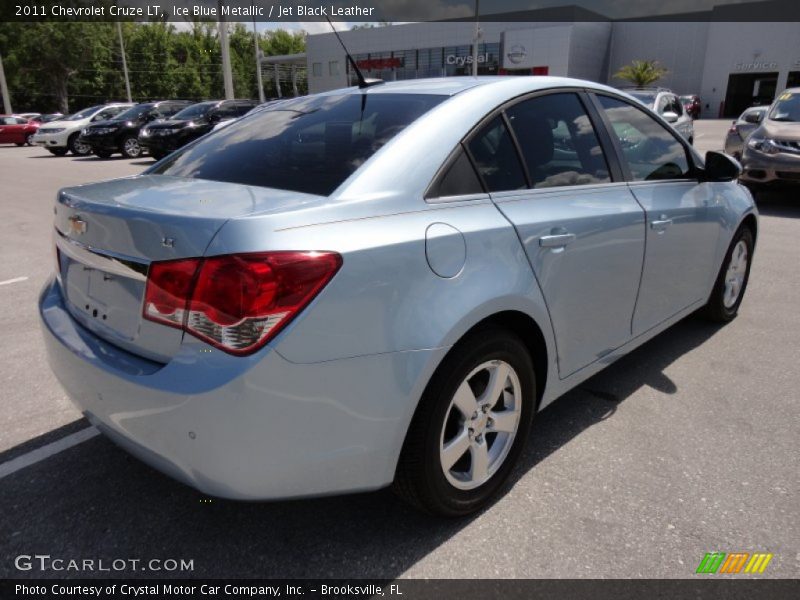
x=496 y=158
x=459 y=179
x=651 y=151
x=558 y=141
x=242 y=108
x=21 y=121
x=676 y=106
x=167 y=110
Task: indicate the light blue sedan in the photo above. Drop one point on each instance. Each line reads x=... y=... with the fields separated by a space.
x=382 y=286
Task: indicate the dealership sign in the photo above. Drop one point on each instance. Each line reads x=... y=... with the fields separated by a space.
x=376 y=64
x=453 y=59
x=517 y=54
x=756 y=65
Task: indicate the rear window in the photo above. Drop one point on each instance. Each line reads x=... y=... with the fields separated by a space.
x=308 y=145
x=646 y=98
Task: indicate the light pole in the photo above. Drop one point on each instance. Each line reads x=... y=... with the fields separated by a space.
x=227 y=77
x=4 y=89
x=476 y=38
x=258 y=65
x=124 y=62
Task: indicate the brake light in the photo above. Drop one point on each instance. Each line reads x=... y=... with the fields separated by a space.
x=236 y=302
x=734 y=128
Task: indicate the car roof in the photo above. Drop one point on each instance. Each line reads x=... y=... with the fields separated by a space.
x=450 y=86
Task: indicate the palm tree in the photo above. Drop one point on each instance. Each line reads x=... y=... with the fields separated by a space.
x=641 y=72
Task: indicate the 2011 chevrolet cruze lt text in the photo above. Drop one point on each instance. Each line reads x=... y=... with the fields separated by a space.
x=382 y=286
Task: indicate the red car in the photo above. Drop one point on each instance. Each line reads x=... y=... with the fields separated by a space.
x=17 y=130
x=692 y=105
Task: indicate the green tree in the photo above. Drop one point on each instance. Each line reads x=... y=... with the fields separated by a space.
x=641 y=72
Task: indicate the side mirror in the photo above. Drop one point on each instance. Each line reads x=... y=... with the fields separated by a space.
x=753 y=117
x=721 y=167
x=670 y=117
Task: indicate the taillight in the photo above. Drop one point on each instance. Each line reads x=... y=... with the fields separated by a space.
x=236 y=302
x=734 y=128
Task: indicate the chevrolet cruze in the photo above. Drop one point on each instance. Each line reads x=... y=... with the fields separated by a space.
x=382 y=286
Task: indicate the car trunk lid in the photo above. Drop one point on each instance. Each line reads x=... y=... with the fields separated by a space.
x=108 y=233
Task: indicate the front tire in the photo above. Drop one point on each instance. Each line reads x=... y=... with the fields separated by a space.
x=29 y=139
x=723 y=305
x=130 y=147
x=470 y=426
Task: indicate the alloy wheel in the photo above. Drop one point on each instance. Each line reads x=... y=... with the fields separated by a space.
x=132 y=148
x=480 y=425
x=734 y=276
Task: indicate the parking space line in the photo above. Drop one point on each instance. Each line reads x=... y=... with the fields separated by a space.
x=15 y=280
x=34 y=456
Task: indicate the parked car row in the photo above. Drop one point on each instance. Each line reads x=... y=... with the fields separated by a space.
x=129 y=129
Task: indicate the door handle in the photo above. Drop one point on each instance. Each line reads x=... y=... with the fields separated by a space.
x=556 y=241
x=661 y=224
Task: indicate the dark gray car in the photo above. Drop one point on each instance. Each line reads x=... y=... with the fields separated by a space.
x=741 y=129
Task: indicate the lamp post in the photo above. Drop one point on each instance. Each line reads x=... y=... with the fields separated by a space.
x=475 y=39
x=258 y=65
x=227 y=76
x=124 y=62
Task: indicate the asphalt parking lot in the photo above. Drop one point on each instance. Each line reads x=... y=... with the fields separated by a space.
x=686 y=446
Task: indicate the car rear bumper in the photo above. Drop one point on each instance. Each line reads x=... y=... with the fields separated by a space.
x=770 y=169
x=251 y=428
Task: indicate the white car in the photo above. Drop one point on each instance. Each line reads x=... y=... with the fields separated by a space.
x=668 y=106
x=62 y=135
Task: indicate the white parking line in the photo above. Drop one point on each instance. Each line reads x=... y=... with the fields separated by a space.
x=34 y=456
x=15 y=280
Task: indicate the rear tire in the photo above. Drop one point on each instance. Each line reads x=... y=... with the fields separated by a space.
x=29 y=139
x=723 y=305
x=456 y=459
x=57 y=151
x=78 y=148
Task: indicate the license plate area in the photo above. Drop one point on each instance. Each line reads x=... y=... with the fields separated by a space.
x=102 y=299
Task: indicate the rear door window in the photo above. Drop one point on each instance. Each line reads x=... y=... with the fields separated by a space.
x=558 y=141
x=307 y=144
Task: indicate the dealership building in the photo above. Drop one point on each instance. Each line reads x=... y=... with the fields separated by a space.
x=730 y=64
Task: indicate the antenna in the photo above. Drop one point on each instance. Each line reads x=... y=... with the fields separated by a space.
x=362 y=81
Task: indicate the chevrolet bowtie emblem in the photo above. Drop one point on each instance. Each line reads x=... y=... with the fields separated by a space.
x=77 y=226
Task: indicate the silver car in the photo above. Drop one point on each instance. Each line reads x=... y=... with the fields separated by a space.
x=382 y=286
x=771 y=155
x=741 y=129
x=668 y=106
